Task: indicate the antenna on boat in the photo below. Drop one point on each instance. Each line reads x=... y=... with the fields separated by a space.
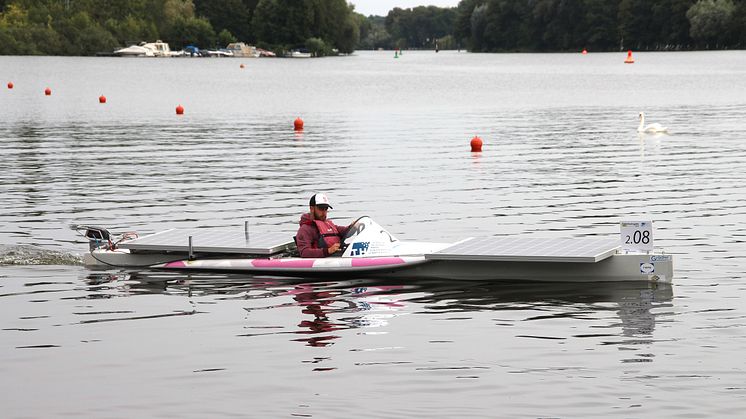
x=191 y=249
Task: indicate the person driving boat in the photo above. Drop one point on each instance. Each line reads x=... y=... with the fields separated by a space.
x=317 y=236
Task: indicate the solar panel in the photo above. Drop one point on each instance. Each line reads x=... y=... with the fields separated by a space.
x=212 y=241
x=517 y=249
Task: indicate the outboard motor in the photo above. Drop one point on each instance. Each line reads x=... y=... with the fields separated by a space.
x=97 y=236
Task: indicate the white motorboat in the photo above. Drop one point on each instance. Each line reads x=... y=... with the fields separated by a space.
x=240 y=49
x=265 y=53
x=146 y=49
x=369 y=250
x=218 y=53
x=298 y=54
x=134 y=51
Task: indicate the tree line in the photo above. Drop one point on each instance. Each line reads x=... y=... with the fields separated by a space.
x=325 y=27
x=601 y=25
x=563 y=25
x=86 y=27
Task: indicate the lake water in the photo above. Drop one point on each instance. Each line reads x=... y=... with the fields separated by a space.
x=387 y=138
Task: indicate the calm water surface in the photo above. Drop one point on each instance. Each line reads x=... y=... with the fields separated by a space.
x=387 y=138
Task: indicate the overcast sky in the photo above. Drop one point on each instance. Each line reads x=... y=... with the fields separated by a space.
x=382 y=7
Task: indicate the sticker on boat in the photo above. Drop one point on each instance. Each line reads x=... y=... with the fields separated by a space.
x=647 y=268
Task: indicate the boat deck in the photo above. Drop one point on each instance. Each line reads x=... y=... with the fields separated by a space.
x=211 y=241
x=477 y=249
x=522 y=249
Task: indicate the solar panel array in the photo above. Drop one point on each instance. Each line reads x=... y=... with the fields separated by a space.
x=212 y=241
x=517 y=249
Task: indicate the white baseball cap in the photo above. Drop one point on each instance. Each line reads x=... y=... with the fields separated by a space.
x=319 y=199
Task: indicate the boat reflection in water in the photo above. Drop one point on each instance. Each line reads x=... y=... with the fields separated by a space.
x=632 y=302
x=328 y=308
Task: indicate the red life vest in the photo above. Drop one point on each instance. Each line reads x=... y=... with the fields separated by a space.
x=328 y=234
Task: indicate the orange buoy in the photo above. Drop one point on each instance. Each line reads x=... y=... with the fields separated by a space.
x=102 y=99
x=179 y=110
x=629 y=59
x=242 y=66
x=476 y=144
x=298 y=124
x=10 y=85
x=47 y=91
x=585 y=51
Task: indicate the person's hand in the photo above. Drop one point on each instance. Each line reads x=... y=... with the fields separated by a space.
x=333 y=248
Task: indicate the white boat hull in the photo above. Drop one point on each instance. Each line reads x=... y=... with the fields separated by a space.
x=619 y=267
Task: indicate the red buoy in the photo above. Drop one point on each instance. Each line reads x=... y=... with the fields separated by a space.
x=242 y=66
x=629 y=59
x=476 y=144
x=47 y=91
x=102 y=99
x=179 y=110
x=10 y=85
x=298 y=124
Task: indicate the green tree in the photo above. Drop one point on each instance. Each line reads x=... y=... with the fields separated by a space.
x=709 y=20
x=599 y=23
x=634 y=23
x=191 y=30
x=283 y=22
x=421 y=26
x=348 y=37
x=131 y=30
x=231 y=15
x=558 y=25
x=287 y=24
x=736 y=32
x=507 y=26
x=462 y=28
x=225 y=37
x=670 y=28
x=478 y=23
x=317 y=47
x=373 y=33
x=83 y=36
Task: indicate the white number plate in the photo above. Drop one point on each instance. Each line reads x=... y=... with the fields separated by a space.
x=637 y=235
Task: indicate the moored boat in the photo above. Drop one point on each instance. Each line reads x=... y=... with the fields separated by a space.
x=218 y=53
x=240 y=49
x=146 y=49
x=134 y=51
x=298 y=54
x=265 y=53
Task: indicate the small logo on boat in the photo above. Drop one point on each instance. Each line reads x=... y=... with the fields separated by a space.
x=359 y=248
x=647 y=268
x=660 y=258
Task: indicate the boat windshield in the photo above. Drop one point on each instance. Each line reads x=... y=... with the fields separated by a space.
x=366 y=236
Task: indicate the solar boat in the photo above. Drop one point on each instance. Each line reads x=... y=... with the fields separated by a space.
x=369 y=250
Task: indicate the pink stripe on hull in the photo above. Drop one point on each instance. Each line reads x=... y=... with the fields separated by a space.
x=280 y=263
x=358 y=263
x=177 y=264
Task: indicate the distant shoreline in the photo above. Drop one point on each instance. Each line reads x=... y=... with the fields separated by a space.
x=111 y=55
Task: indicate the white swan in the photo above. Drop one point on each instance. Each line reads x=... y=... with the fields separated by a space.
x=651 y=127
